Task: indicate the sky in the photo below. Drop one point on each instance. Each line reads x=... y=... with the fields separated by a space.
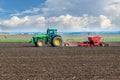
x=64 y=15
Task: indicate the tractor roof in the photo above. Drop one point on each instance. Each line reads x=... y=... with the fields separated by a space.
x=51 y=29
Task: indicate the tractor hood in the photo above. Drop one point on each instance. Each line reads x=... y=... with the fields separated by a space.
x=41 y=36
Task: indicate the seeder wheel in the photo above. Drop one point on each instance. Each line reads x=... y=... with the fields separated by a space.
x=104 y=45
x=66 y=45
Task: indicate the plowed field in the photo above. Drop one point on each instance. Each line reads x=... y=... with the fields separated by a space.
x=22 y=61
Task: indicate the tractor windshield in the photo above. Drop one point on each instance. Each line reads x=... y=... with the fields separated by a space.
x=51 y=32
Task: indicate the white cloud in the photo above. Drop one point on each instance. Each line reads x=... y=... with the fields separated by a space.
x=73 y=7
x=70 y=23
x=112 y=10
x=14 y=21
x=112 y=7
x=33 y=23
x=105 y=22
x=68 y=15
x=62 y=23
x=30 y=11
x=80 y=7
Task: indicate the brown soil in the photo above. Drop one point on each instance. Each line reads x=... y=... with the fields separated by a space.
x=22 y=61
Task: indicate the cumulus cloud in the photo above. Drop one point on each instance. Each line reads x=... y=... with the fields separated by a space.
x=112 y=7
x=71 y=23
x=105 y=13
x=112 y=10
x=80 y=7
x=73 y=7
x=67 y=15
x=105 y=22
x=62 y=23
x=26 y=23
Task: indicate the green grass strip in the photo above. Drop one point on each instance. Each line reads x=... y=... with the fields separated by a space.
x=14 y=40
x=69 y=40
x=111 y=39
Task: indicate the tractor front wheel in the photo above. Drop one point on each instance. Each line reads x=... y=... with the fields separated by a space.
x=40 y=43
x=57 y=41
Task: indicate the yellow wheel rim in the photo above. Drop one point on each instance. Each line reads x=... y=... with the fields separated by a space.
x=57 y=42
x=40 y=43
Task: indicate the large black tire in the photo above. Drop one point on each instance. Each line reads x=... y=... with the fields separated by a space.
x=57 y=41
x=40 y=43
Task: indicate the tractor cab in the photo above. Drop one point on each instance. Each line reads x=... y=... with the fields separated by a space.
x=51 y=32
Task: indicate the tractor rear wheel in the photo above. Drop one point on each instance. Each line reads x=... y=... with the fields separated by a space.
x=57 y=41
x=40 y=43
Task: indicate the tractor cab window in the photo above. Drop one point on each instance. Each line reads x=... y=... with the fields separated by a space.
x=51 y=32
x=55 y=32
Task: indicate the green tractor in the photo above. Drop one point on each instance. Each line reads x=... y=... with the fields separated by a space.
x=50 y=38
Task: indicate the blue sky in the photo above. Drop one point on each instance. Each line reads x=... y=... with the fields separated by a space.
x=15 y=6
x=65 y=15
